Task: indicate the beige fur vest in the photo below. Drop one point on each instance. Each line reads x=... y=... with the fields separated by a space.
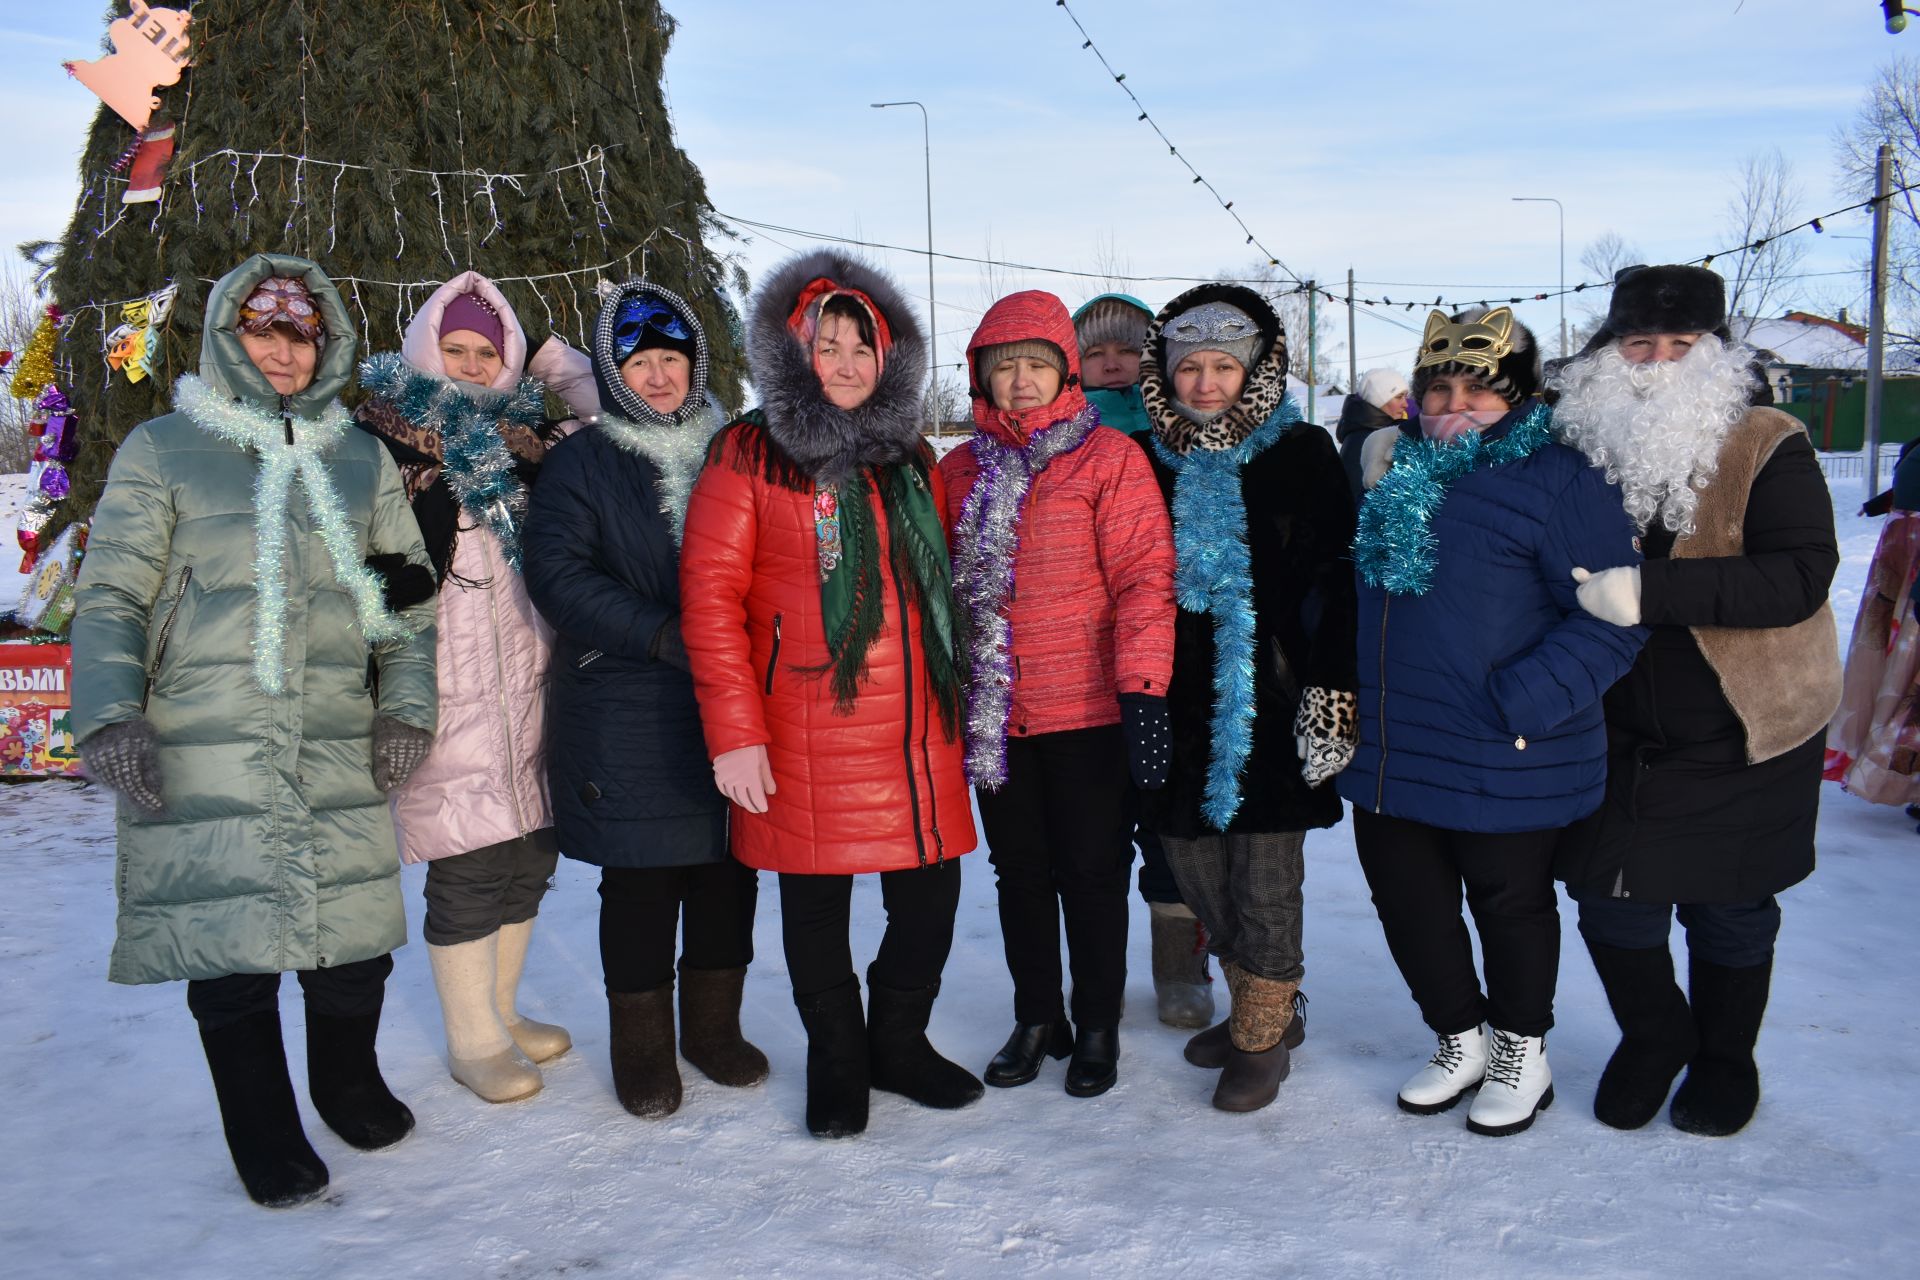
x=1783 y=682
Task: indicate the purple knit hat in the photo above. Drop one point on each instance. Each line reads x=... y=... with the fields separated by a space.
x=472 y=312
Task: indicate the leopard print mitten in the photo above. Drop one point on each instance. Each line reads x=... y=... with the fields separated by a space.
x=1325 y=731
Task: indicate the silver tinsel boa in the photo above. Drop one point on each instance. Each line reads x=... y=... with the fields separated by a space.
x=984 y=542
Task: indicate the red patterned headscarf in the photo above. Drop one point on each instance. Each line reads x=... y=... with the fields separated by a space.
x=804 y=321
x=283 y=300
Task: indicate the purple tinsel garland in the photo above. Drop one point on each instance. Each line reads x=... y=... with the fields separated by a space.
x=984 y=541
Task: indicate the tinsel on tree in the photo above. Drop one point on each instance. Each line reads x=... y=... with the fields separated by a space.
x=397 y=144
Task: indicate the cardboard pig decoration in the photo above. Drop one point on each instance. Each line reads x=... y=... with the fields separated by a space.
x=150 y=51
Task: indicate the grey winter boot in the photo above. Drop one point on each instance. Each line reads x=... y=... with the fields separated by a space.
x=1181 y=984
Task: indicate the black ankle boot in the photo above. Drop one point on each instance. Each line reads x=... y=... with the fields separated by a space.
x=1096 y=1061
x=1722 y=1088
x=343 y=1079
x=900 y=1057
x=257 y=1109
x=1657 y=1036
x=837 y=1071
x=1031 y=1043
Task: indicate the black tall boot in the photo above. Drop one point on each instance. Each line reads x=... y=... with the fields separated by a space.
x=903 y=1060
x=1657 y=1036
x=1722 y=1087
x=646 y=1072
x=343 y=1079
x=710 y=1027
x=837 y=1074
x=270 y=1151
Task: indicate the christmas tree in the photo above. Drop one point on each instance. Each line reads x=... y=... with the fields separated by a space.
x=397 y=144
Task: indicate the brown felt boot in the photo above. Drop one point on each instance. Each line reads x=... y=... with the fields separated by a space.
x=710 y=1027
x=646 y=1073
x=1260 y=1060
x=1213 y=1047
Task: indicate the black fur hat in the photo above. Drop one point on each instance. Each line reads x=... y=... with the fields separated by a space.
x=1667 y=299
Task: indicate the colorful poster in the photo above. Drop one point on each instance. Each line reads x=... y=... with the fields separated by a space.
x=36 y=711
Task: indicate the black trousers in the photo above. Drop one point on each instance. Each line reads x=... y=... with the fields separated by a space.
x=1059 y=838
x=643 y=910
x=1737 y=935
x=1417 y=873
x=1156 y=875
x=815 y=912
x=472 y=895
x=343 y=991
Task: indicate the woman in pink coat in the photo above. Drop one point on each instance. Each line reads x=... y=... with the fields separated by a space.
x=469 y=432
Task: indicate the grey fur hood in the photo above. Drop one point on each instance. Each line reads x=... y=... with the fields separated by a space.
x=827 y=442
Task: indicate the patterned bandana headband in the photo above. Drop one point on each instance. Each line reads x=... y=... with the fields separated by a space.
x=803 y=322
x=282 y=300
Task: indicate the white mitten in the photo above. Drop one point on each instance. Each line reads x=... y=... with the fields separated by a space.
x=1611 y=595
x=1376 y=455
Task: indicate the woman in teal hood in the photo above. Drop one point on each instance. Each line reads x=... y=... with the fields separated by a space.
x=223 y=687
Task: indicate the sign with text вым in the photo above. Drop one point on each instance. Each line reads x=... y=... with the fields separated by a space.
x=36 y=711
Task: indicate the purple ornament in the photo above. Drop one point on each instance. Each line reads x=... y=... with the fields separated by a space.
x=53 y=402
x=54 y=482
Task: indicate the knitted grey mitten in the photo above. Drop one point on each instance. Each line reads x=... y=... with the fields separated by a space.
x=125 y=757
x=398 y=749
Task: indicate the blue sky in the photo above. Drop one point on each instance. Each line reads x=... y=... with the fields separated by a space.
x=1387 y=135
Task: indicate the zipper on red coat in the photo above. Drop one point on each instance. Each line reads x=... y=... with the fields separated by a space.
x=906 y=687
x=774 y=657
x=1380 y=778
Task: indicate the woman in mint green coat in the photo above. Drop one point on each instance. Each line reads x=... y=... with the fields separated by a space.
x=222 y=686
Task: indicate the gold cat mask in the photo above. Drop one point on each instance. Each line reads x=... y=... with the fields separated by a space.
x=1477 y=344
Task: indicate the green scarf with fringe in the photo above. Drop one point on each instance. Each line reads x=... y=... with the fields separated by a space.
x=852 y=582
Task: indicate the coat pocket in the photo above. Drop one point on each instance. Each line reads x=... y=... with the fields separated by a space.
x=174 y=600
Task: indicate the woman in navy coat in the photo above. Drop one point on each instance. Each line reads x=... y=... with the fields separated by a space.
x=1480 y=678
x=626 y=760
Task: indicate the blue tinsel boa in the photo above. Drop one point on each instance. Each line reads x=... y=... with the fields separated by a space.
x=1395 y=546
x=475 y=459
x=1214 y=574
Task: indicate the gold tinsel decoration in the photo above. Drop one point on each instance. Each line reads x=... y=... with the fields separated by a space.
x=35 y=370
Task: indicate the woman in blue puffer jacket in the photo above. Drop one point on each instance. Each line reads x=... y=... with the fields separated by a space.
x=1480 y=678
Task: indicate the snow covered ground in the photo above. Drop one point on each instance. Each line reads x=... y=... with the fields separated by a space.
x=114 y=1163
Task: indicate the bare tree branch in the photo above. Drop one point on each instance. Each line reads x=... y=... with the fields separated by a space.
x=1766 y=200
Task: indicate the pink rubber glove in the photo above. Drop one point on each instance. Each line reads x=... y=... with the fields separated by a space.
x=744 y=777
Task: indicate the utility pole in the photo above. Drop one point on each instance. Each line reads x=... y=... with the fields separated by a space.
x=933 y=319
x=1313 y=351
x=1353 y=352
x=1877 y=327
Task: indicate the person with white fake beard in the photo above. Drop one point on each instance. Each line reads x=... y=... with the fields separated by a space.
x=1716 y=736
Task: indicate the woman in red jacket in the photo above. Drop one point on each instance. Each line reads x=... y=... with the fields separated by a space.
x=817 y=611
x=1047 y=497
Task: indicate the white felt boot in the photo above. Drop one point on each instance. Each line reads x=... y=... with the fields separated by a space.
x=538 y=1040
x=480 y=1053
x=1518 y=1085
x=1456 y=1066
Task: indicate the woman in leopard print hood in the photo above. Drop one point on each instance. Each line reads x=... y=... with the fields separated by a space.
x=1262 y=519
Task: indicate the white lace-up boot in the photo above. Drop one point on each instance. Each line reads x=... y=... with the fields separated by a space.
x=1518 y=1085
x=1456 y=1066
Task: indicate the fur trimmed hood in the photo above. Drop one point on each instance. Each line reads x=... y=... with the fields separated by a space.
x=1265 y=387
x=827 y=442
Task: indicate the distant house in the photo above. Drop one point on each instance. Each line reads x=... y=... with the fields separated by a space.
x=1803 y=349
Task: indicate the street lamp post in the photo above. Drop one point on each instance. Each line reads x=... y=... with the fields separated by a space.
x=1563 y=261
x=933 y=329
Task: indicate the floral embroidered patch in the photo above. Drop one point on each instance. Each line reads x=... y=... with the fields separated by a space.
x=826 y=528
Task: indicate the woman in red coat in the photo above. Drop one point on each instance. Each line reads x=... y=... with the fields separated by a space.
x=817 y=611
x=1046 y=497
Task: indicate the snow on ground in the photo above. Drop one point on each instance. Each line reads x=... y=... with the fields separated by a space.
x=115 y=1165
